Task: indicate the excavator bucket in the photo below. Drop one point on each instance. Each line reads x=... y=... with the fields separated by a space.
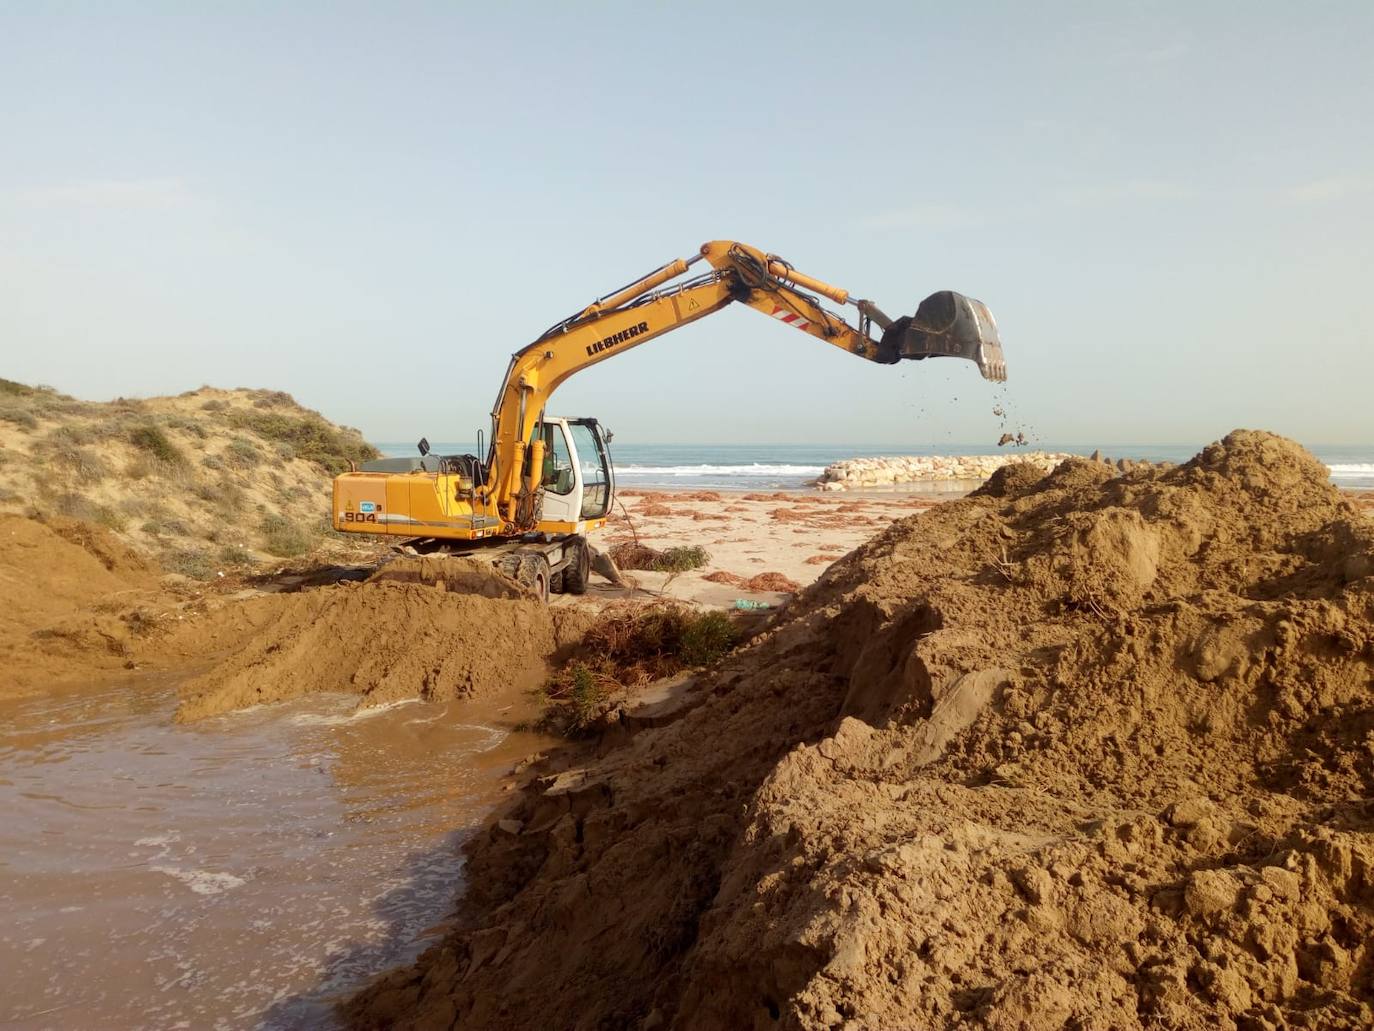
x=950 y=325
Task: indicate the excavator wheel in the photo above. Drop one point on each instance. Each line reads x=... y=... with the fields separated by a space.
x=534 y=573
x=579 y=568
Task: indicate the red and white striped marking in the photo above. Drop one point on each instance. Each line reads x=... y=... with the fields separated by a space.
x=791 y=318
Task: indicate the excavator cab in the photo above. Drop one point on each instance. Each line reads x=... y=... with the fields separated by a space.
x=577 y=481
x=947 y=324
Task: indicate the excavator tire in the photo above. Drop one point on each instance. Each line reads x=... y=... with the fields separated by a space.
x=534 y=573
x=579 y=568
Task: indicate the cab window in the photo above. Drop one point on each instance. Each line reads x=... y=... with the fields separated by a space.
x=591 y=455
x=557 y=477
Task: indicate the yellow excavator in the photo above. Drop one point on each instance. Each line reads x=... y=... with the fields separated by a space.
x=546 y=482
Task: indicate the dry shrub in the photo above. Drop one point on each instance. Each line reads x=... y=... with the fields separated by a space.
x=737 y=508
x=701 y=495
x=241 y=454
x=629 y=646
x=63 y=452
x=309 y=435
x=631 y=554
x=284 y=537
x=78 y=506
x=19 y=416
x=153 y=442
x=190 y=562
x=634 y=555
x=654 y=510
x=789 y=515
x=771 y=582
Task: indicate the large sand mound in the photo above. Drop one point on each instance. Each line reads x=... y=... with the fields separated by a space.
x=427 y=627
x=1093 y=751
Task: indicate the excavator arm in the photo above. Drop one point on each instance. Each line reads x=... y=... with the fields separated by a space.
x=945 y=324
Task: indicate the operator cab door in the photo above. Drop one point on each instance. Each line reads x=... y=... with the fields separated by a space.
x=577 y=472
x=562 y=495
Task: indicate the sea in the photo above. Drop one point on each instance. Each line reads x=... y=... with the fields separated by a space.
x=792 y=466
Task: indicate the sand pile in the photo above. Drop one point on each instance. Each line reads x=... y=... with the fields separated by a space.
x=1093 y=750
x=428 y=627
x=76 y=602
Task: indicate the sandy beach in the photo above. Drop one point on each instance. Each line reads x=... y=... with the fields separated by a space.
x=791 y=537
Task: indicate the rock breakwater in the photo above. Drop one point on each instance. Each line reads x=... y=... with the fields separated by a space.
x=860 y=473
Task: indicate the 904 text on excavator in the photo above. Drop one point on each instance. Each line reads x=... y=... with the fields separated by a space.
x=546 y=482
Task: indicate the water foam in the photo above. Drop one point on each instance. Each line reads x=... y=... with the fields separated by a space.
x=754 y=469
x=1351 y=470
x=202 y=882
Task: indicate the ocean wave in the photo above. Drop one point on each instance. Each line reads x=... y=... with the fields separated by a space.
x=756 y=469
x=1349 y=470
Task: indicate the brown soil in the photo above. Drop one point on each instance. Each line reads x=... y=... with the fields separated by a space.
x=78 y=601
x=1090 y=752
x=431 y=628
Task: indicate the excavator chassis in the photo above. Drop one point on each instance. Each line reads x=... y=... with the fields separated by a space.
x=543 y=565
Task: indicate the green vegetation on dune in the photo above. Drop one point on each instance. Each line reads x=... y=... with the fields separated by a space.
x=285 y=538
x=154 y=441
x=308 y=435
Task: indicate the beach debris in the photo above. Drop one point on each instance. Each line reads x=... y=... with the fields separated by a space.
x=721 y=576
x=634 y=555
x=771 y=581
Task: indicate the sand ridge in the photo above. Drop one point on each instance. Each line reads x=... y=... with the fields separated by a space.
x=1090 y=750
x=434 y=628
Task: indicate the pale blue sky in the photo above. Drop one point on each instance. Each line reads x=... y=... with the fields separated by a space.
x=1169 y=207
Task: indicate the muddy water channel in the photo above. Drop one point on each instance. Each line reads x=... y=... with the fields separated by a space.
x=238 y=872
